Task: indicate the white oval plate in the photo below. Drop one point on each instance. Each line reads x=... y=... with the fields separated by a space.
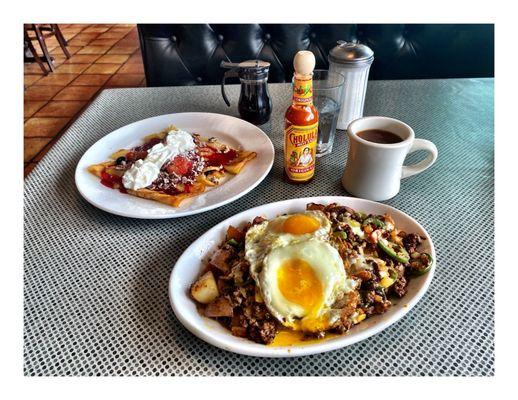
x=190 y=264
x=230 y=130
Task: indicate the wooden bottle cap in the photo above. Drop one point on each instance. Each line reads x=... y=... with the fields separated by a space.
x=304 y=63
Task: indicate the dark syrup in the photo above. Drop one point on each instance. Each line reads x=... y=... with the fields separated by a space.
x=255 y=105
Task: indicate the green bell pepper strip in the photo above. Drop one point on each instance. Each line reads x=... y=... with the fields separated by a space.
x=361 y=215
x=233 y=242
x=394 y=251
x=340 y=234
x=423 y=271
x=377 y=222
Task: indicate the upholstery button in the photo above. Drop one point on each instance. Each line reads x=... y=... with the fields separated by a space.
x=198 y=79
x=220 y=37
x=173 y=38
x=313 y=35
x=267 y=37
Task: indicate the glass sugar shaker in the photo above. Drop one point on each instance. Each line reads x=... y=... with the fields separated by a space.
x=353 y=61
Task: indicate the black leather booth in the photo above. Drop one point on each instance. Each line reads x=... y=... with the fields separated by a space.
x=181 y=54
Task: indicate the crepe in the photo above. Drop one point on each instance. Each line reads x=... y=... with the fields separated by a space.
x=211 y=175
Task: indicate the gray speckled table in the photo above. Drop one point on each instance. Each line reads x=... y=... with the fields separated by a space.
x=97 y=304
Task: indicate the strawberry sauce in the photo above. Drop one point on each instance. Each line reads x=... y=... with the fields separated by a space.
x=112 y=181
x=214 y=159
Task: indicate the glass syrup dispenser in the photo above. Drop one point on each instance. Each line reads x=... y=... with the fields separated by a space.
x=255 y=104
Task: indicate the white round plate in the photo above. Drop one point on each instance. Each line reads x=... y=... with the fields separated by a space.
x=230 y=130
x=190 y=264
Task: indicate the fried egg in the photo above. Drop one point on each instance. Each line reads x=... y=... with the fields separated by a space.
x=286 y=229
x=299 y=273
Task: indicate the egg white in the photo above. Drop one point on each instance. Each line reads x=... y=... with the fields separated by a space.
x=327 y=265
x=268 y=235
x=267 y=247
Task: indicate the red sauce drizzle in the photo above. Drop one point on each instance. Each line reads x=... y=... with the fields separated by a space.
x=140 y=152
x=149 y=144
x=215 y=159
x=112 y=181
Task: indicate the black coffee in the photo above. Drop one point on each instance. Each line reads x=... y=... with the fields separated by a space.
x=379 y=136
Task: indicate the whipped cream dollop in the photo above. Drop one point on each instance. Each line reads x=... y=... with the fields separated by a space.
x=143 y=172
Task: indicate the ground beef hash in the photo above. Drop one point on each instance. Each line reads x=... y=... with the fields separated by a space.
x=239 y=305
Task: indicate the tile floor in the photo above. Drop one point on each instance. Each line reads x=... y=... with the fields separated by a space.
x=103 y=56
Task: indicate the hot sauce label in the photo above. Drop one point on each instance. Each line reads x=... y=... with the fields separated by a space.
x=300 y=144
x=302 y=91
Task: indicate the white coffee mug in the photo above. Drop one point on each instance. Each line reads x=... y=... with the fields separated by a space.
x=374 y=170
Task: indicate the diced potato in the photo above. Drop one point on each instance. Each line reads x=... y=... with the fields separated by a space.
x=220 y=257
x=234 y=233
x=205 y=289
x=220 y=307
x=383 y=274
x=238 y=331
x=356 y=228
x=382 y=269
x=358 y=318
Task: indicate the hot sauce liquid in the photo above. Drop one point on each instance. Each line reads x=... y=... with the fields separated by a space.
x=300 y=134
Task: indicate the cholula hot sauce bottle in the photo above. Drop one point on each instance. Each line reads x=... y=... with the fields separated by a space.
x=301 y=123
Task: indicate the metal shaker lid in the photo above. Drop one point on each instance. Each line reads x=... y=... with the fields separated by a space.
x=351 y=53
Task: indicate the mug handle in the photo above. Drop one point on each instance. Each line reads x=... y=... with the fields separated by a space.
x=420 y=144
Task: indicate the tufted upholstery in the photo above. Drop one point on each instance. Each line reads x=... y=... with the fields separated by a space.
x=177 y=54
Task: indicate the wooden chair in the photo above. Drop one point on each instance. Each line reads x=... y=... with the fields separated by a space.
x=28 y=47
x=42 y=31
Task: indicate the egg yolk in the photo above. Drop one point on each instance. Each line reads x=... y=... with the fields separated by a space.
x=299 y=284
x=288 y=337
x=300 y=224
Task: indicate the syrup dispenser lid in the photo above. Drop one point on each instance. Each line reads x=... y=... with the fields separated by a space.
x=249 y=69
